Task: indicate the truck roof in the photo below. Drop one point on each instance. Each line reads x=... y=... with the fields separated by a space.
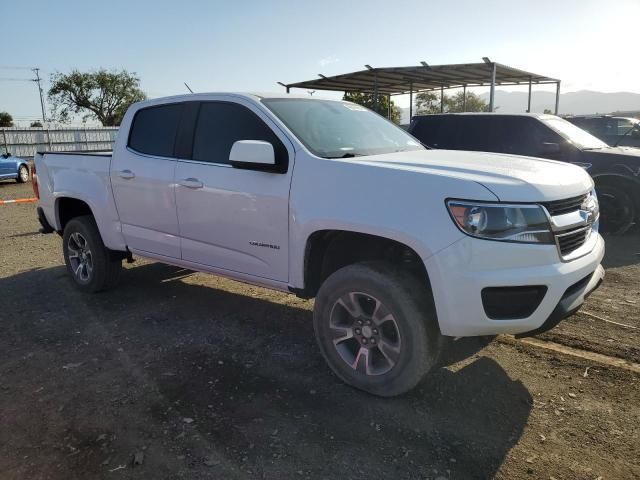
x=495 y=114
x=249 y=95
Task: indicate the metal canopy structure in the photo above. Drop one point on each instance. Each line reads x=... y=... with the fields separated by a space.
x=424 y=77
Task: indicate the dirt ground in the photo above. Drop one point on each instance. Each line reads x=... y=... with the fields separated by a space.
x=178 y=374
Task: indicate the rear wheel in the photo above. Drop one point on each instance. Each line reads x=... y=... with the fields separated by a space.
x=376 y=328
x=23 y=174
x=92 y=266
x=617 y=208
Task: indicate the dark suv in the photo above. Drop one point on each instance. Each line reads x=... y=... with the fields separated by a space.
x=615 y=170
x=615 y=131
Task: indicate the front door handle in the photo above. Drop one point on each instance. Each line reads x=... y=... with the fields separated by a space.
x=193 y=183
x=126 y=174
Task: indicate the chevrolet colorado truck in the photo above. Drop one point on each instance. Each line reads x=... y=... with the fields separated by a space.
x=402 y=247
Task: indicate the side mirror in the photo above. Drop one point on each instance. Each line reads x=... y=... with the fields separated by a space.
x=549 y=148
x=252 y=155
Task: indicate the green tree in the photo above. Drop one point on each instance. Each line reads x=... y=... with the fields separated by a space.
x=36 y=123
x=368 y=100
x=102 y=95
x=6 y=120
x=547 y=111
x=474 y=103
x=427 y=103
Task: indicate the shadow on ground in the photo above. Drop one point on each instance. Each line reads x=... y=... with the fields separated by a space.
x=622 y=250
x=207 y=379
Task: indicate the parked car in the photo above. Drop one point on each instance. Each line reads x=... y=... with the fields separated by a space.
x=401 y=247
x=614 y=131
x=615 y=170
x=13 y=168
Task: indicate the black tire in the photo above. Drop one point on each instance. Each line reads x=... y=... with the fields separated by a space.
x=23 y=174
x=617 y=208
x=414 y=332
x=105 y=265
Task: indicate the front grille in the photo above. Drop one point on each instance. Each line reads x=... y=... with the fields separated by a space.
x=560 y=207
x=573 y=239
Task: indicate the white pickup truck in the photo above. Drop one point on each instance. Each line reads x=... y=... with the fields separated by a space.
x=402 y=247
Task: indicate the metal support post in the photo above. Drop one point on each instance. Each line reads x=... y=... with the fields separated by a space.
x=492 y=93
x=464 y=98
x=529 y=99
x=375 y=93
x=410 y=101
x=557 y=96
x=37 y=80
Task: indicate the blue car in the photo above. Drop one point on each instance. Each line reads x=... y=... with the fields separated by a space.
x=13 y=168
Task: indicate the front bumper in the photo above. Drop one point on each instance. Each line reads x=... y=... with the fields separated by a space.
x=461 y=271
x=570 y=302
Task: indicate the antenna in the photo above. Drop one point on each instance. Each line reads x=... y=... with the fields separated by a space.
x=188 y=87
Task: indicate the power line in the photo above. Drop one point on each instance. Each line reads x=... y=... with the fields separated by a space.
x=6 y=67
x=37 y=80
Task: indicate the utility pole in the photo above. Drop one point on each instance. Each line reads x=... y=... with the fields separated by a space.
x=37 y=80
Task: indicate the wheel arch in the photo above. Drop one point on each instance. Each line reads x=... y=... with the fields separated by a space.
x=67 y=208
x=328 y=250
x=625 y=180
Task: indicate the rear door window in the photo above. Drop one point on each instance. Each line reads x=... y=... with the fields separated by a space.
x=474 y=132
x=153 y=130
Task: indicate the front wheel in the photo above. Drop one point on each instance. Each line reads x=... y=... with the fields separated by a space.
x=92 y=266
x=23 y=174
x=617 y=209
x=376 y=328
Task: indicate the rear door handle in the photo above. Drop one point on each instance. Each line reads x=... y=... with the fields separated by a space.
x=193 y=183
x=127 y=174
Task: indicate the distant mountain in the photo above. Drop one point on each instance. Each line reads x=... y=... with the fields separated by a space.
x=578 y=103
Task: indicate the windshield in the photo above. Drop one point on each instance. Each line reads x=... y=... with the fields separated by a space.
x=626 y=125
x=579 y=137
x=334 y=129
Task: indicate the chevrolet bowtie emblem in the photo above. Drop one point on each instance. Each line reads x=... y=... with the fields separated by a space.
x=589 y=210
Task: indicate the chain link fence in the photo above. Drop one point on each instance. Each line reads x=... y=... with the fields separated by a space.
x=25 y=142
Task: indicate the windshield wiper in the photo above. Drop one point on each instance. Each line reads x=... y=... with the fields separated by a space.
x=347 y=155
x=626 y=133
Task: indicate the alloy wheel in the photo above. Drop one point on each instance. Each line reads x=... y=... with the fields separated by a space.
x=365 y=333
x=80 y=257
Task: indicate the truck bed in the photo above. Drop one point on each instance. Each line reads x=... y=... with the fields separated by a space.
x=80 y=175
x=89 y=153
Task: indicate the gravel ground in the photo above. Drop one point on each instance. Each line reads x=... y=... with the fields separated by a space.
x=178 y=374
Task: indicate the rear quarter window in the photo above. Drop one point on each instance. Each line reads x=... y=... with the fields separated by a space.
x=153 y=130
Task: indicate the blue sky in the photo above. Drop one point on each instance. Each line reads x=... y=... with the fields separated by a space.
x=250 y=45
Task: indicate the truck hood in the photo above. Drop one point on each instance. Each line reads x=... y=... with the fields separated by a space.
x=625 y=155
x=511 y=178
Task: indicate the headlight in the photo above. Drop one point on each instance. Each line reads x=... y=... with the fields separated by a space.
x=495 y=221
